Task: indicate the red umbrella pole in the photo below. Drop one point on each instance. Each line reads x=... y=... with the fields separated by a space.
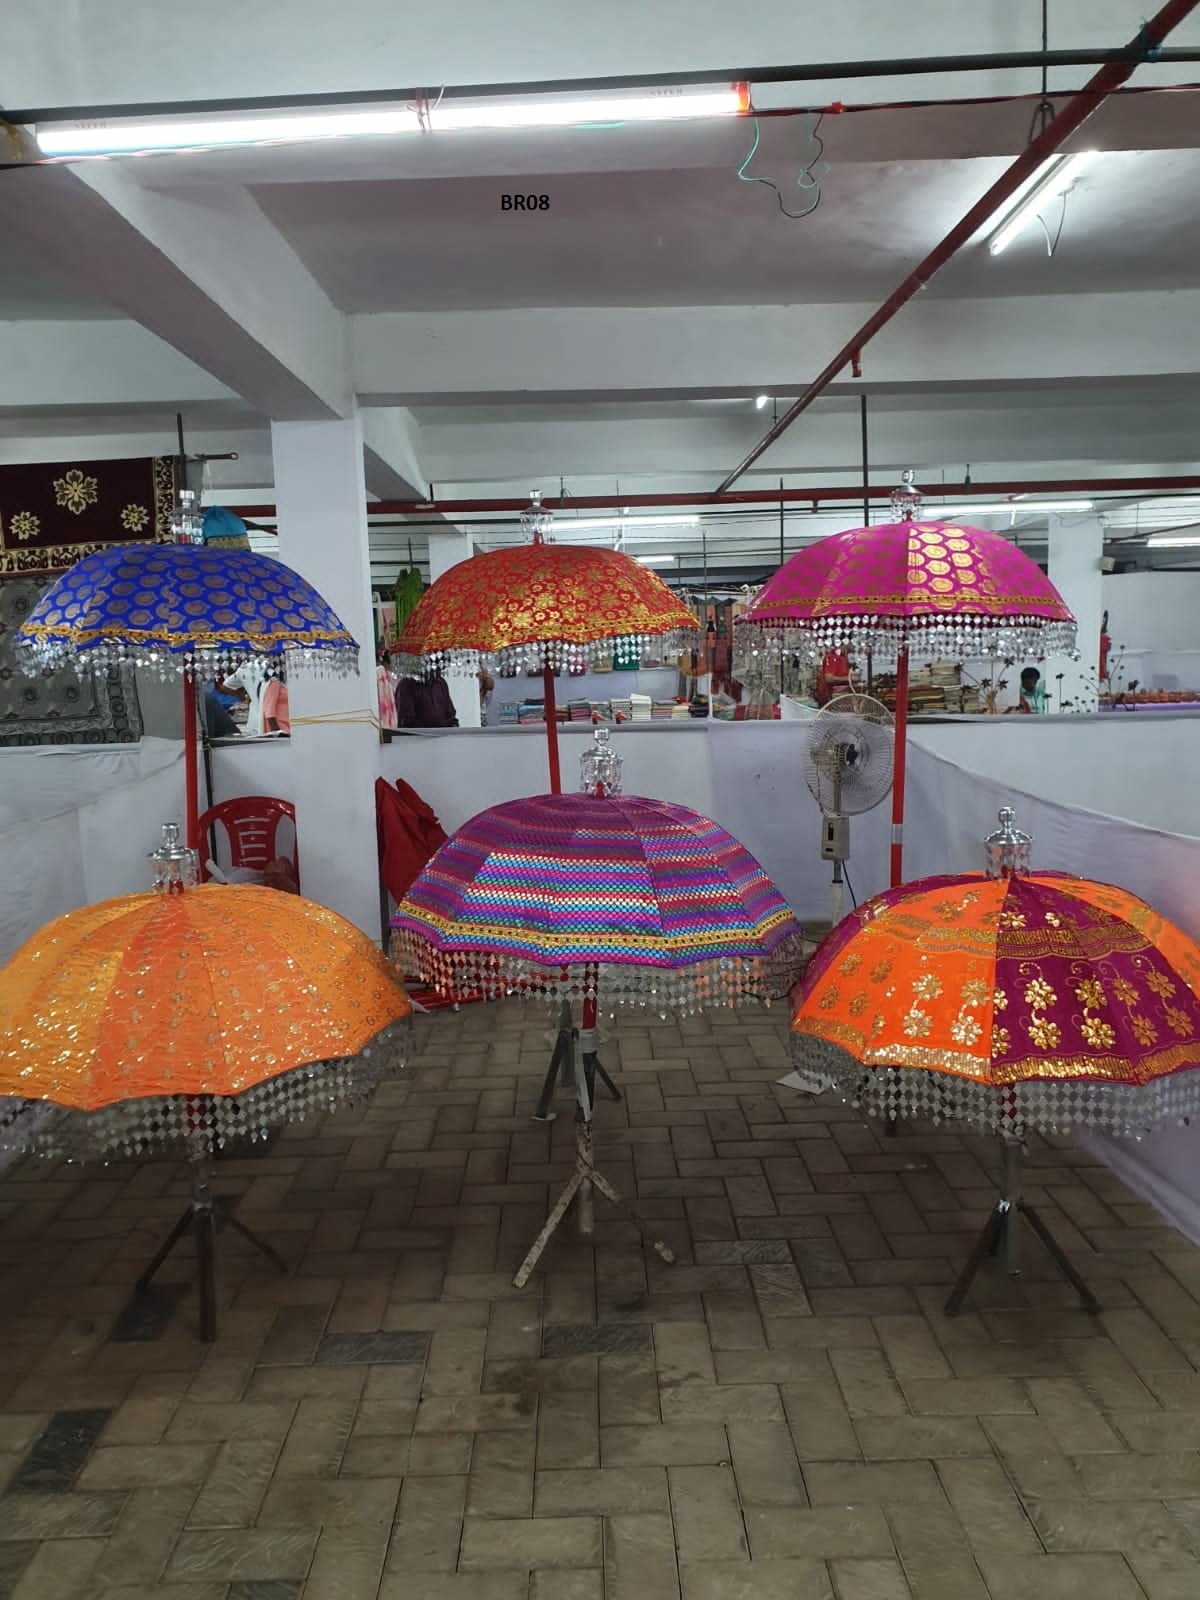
x=898 y=766
x=551 y=729
x=191 y=779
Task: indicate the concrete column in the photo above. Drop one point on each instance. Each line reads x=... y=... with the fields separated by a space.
x=1076 y=546
x=446 y=550
x=320 y=494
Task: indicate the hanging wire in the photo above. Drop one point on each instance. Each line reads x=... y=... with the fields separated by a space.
x=1043 y=114
x=808 y=179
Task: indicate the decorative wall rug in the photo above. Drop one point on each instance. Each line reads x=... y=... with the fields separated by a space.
x=59 y=707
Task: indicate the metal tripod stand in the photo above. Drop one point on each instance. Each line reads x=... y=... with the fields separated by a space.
x=1002 y=1231
x=584 y=1069
x=204 y=1211
x=562 y=1062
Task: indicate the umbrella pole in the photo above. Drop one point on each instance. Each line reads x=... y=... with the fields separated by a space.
x=191 y=774
x=901 y=737
x=561 y=1062
x=551 y=728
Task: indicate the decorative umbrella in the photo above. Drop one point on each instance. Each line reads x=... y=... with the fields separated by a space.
x=1013 y=1000
x=646 y=902
x=193 y=1014
x=540 y=605
x=930 y=589
x=183 y=608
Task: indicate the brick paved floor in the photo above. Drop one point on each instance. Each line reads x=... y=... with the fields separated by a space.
x=784 y=1415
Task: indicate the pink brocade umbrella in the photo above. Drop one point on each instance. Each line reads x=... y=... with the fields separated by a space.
x=931 y=589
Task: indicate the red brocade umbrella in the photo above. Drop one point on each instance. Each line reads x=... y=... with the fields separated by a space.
x=541 y=606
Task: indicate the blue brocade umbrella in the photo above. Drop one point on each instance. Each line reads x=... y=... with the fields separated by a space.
x=183 y=608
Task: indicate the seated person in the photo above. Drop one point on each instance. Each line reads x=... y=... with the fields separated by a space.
x=1033 y=696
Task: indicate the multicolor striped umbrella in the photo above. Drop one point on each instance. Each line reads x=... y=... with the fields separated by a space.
x=639 y=900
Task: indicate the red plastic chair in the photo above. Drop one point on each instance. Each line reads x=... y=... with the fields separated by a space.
x=251 y=824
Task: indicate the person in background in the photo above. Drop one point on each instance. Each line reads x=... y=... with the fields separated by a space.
x=1033 y=696
x=276 y=718
x=218 y=724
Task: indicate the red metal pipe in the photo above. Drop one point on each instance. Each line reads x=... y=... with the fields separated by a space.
x=750 y=497
x=1067 y=121
x=551 y=729
x=191 y=774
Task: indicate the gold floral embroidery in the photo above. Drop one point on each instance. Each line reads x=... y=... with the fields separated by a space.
x=1012 y=919
x=1097 y=1032
x=1178 y=1022
x=964 y=1029
x=928 y=986
x=1000 y=1041
x=851 y=964
x=916 y=1024
x=75 y=491
x=858 y=1005
x=877 y=1025
x=975 y=992
x=999 y=1000
x=881 y=971
x=1053 y=919
x=1144 y=1030
x=1160 y=983
x=25 y=525
x=1044 y=1033
x=1039 y=994
x=1125 y=991
x=1090 y=994
x=830 y=998
x=134 y=518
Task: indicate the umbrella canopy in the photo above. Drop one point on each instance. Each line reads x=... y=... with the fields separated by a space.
x=939 y=589
x=934 y=589
x=538 y=605
x=240 y=1007
x=637 y=899
x=1040 y=1001
x=183 y=607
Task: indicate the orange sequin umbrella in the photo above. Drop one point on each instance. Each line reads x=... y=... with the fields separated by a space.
x=541 y=606
x=122 y=1013
x=1014 y=1000
x=197 y=1016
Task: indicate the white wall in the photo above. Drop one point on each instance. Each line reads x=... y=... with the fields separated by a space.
x=1153 y=610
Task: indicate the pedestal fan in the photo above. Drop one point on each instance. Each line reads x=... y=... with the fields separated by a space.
x=848 y=769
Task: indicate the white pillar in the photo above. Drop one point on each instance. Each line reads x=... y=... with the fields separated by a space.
x=321 y=498
x=1076 y=546
x=446 y=550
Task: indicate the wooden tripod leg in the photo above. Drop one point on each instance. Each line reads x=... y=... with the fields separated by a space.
x=543 y=1239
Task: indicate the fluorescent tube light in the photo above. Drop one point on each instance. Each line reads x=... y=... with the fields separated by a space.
x=584 y=524
x=656 y=561
x=760 y=403
x=1053 y=180
x=1004 y=507
x=160 y=134
x=1173 y=541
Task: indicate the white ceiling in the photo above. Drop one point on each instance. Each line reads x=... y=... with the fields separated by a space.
x=494 y=350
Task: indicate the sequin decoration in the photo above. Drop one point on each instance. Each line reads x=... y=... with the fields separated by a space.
x=636 y=900
x=143 y=1018
x=944 y=590
x=178 y=607
x=1041 y=1001
x=541 y=604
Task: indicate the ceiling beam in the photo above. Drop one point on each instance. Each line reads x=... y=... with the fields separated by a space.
x=205 y=272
